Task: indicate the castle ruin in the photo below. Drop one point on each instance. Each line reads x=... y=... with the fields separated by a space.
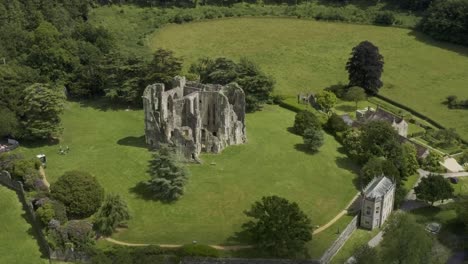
x=194 y=117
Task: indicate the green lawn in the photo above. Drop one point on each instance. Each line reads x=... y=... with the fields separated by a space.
x=110 y=145
x=461 y=188
x=306 y=55
x=17 y=242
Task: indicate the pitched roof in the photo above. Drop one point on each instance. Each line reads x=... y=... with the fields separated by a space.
x=421 y=151
x=378 y=187
x=380 y=114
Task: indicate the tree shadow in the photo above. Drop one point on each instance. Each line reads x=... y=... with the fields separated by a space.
x=33 y=231
x=422 y=37
x=40 y=143
x=349 y=165
x=346 y=108
x=133 y=142
x=104 y=104
x=142 y=191
x=303 y=148
x=292 y=131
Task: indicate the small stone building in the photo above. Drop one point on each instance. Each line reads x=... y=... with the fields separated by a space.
x=194 y=117
x=377 y=202
x=369 y=114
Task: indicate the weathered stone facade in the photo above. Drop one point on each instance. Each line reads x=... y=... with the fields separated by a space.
x=194 y=117
x=377 y=202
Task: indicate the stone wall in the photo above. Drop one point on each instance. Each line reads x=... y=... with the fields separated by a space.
x=194 y=117
x=7 y=181
x=340 y=241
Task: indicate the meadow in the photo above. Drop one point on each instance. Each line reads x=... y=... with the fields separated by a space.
x=110 y=144
x=306 y=55
x=17 y=241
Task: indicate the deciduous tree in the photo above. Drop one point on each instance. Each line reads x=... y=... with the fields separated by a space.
x=279 y=227
x=365 y=67
x=80 y=192
x=304 y=120
x=326 y=100
x=433 y=188
x=42 y=108
x=356 y=94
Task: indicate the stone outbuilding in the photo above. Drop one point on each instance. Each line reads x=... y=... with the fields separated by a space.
x=377 y=202
x=370 y=114
x=194 y=117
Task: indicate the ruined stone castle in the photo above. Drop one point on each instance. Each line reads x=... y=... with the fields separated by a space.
x=194 y=117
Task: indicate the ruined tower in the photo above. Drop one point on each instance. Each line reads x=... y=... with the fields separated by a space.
x=194 y=117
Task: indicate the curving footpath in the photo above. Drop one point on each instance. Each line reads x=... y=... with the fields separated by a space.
x=237 y=247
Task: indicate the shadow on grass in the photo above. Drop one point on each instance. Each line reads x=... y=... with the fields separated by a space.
x=33 y=231
x=440 y=44
x=292 y=131
x=133 y=142
x=142 y=191
x=104 y=104
x=40 y=143
x=347 y=164
x=346 y=108
x=303 y=148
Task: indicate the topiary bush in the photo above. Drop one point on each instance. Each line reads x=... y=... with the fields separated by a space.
x=80 y=192
x=196 y=250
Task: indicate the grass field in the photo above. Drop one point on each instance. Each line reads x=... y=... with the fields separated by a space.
x=110 y=145
x=309 y=56
x=17 y=242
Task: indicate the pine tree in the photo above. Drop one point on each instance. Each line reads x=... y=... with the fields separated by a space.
x=168 y=175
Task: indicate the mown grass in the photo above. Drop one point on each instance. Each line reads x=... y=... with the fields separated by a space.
x=110 y=145
x=307 y=56
x=17 y=241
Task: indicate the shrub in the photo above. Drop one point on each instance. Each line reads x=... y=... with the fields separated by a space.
x=386 y=18
x=335 y=124
x=80 y=233
x=113 y=212
x=80 y=192
x=27 y=172
x=304 y=120
x=196 y=250
x=313 y=139
x=45 y=213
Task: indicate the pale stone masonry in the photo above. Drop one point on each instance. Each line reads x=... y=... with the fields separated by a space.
x=369 y=114
x=194 y=117
x=377 y=202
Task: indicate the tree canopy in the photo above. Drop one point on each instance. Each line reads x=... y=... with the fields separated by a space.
x=356 y=94
x=365 y=67
x=434 y=188
x=42 y=108
x=256 y=84
x=447 y=20
x=304 y=120
x=279 y=227
x=326 y=100
x=168 y=175
x=405 y=241
x=113 y=212
x=80 y=192
x=313 y=139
